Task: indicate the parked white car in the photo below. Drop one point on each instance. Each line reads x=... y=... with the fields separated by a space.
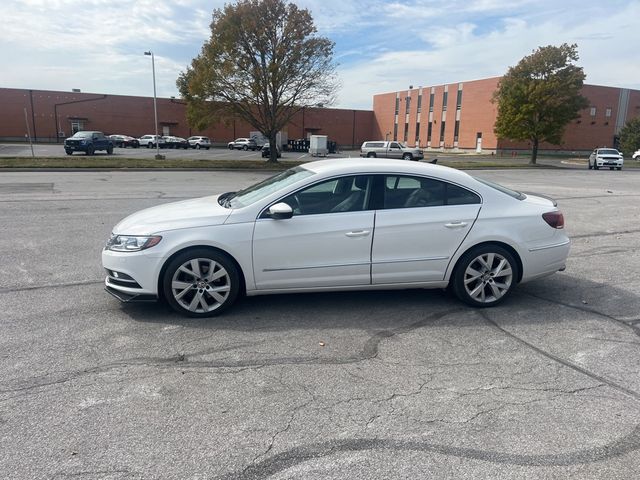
x=345 y=224
x=150 y=141
x=605 y=157
x=636 y=155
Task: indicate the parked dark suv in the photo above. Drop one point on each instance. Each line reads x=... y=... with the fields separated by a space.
x=88 y=142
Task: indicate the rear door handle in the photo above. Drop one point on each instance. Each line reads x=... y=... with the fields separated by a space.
x=455 y=224
x=358 y=233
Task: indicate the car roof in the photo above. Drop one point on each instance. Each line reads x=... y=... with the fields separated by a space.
x=342 y=166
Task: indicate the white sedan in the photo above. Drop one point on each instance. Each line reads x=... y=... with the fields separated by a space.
x=344 y=224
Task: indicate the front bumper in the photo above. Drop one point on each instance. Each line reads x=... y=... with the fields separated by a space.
x=140 y=270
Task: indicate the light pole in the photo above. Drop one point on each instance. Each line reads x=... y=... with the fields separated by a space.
x=155 y=107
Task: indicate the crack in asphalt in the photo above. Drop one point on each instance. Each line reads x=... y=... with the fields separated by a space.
x=627 y=391
x=49 y=285
x=185 y=362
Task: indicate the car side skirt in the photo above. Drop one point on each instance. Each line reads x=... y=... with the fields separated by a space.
x=343 y=288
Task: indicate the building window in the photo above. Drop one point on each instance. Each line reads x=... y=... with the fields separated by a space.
x=395 y=132
x=397 y=105
x=417 y=133
x=429 y=129
x=419 y=103
x=431 y=102
x=607 y=113
x=442 y=131
x=459 y=100
x=77 y=126
x=407 y=104
x=406 y=132
x=592 y=111
x=456 y=131
x=445 y=96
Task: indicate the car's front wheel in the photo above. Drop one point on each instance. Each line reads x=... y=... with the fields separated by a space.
x=589 y=166
x=484 y=276
x=201 y=282
x=407 y=156
x=109 y=150
x=371 y=155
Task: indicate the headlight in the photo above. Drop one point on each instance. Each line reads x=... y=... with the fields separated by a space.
x=131 y=243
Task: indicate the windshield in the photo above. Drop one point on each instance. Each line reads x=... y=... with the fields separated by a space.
x=512 y=193
x=82 y=134
x=265 y=188
x=607 y=151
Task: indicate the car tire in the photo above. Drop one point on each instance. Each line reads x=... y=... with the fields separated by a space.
x=194 y=294
x=90 y=150
x=595 y=166
x=69 y=152
x=473 y=279
x=589 y=166
x=109 y=150
x=230 y=147
x=371 y=155
x=197 y=146
x=619 y=168
x=407 y=156
x=611 y=168
x=245 y=148
x=208 y=148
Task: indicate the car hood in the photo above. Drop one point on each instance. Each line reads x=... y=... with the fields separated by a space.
x=197 y=212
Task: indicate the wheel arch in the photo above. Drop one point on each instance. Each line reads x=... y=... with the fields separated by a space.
x=163 y=269
x=504 y=245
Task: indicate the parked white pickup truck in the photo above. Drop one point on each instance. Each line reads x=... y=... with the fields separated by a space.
x=390 y=150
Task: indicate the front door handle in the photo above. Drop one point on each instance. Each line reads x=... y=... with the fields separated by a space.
x=455 y=224
x=358 y=233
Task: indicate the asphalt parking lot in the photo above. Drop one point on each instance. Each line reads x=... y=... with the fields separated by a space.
x=394 y=385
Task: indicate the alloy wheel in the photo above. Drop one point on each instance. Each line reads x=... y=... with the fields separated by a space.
x=488 y=278
x=201 y=285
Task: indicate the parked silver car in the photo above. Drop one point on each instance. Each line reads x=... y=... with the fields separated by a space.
x=243 y=144
x=198 y=142
x=385 y=149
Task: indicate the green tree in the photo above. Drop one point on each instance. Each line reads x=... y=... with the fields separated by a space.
x=262 y=63
x=538 y=97
x=630 y=136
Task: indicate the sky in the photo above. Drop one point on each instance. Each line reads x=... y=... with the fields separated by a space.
x=97 y=45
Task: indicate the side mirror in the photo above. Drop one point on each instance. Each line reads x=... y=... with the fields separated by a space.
x=280 y=211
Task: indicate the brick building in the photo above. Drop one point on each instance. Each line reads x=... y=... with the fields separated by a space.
x=455 y=117
x=55 y=115
x=460 y=116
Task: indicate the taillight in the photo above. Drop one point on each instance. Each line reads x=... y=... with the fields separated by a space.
x=554 y=219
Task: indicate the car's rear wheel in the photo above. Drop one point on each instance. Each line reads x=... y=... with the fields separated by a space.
x=230 y=147
x=201 y=282
x=245 y=148
x=69 y=152
x=90 y=150
x=611 y=168
x=484 y=276
x=109 y=150
x=197 y=146
x=371 y=155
